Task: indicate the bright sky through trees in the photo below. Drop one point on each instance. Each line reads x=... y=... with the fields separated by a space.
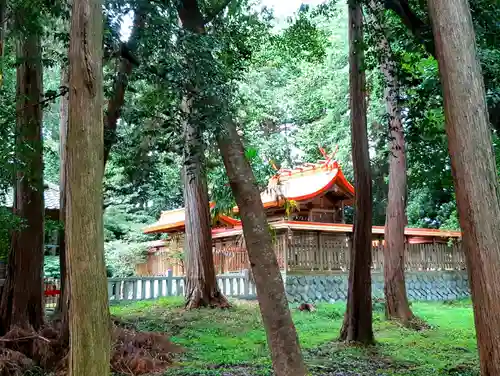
x=282 y=9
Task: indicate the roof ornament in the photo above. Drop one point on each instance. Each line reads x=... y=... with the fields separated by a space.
x=273 y=165
x=329 y=161
x=322 y=151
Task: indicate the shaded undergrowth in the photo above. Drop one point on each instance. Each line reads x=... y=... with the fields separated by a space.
x=233 y=343
x=25 y=352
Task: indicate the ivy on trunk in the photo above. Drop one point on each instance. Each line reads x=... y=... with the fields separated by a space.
x=397 y=306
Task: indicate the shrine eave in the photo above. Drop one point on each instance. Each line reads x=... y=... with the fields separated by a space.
x=172 y=221
x=418 y=235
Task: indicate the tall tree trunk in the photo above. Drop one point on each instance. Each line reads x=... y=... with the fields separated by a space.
x=281 y=334
x=397 y=306
x=115 y=105
x=90 y=341
x=357 y=326
x=22 y=297
x=201 y=283
x=202 y=289
x=473 y=167
x=117 y=100
x=63 y=303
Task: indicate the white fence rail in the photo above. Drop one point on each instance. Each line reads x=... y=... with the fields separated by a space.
x=145 y=288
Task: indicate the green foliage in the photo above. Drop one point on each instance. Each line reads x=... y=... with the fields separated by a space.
x=227 y=340
x=51 y=225
x=289 y=104
x=8 y=223
x=285 y=87
x=218 y=183
x=123 y=223
x=51 y=267
x=125 y=243
x=51 y=116
x=7 y=122
x=302 y=40
x=122 y=257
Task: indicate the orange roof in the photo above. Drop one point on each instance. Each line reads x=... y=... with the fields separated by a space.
x=174 y=220
x=170 y=221
x=305 y=183
x=420 y=235
x=415 y=235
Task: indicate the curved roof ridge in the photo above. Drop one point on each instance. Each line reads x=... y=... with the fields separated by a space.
x=174 y=220
x=305 y=167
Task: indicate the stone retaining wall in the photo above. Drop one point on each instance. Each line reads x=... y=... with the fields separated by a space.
x=441 y=285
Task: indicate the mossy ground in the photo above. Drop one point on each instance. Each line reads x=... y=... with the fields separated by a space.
x=233 y=342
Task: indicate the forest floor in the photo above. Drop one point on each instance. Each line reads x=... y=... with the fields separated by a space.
x=233 y=343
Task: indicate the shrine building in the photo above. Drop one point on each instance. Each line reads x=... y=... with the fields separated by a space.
x=305 y=208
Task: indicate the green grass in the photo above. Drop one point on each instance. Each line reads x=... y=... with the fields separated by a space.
x=233 y=342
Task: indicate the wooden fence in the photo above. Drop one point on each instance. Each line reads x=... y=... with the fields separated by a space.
x=426 y=257
x=51 y=292
x=306 y=250
x=158 y=263
x=317 y=251
x=229 y=257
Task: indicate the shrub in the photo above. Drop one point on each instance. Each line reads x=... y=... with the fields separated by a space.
x=51 y=267
x=8 y=222
x=122 y=257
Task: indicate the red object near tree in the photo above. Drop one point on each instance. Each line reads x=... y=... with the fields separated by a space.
x=52 y=292
x=51 y=289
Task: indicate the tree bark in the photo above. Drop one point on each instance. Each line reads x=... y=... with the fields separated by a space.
x=201 y=289
x=90 y=341
x=63 y=128
x=397 y=306
x=473 y=167
x=63 y=303
x=281 y=334
x=115 y=105
x=22 y=297
x=357 y=326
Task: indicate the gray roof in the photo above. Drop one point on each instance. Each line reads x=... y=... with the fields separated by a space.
x=51 y=196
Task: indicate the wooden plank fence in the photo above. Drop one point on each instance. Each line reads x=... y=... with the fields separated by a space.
x=317 y=251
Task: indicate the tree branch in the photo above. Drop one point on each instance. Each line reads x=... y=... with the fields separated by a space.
x=423 y=33
x=48 y=97
x=420 y=30
x=216 y=11
x=117 y=99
